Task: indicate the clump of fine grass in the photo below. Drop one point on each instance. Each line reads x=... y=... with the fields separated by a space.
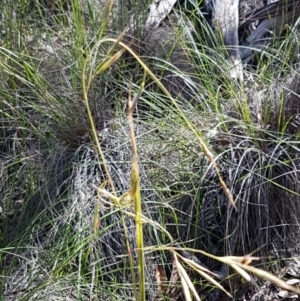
x=75 y=229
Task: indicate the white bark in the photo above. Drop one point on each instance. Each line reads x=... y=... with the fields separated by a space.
x=226 y=22
x=158 y=12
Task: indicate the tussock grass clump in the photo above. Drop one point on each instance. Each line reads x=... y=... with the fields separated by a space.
x=129 y=168
x=257 y=175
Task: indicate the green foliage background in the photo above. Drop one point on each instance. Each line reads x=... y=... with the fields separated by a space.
x=66 y=233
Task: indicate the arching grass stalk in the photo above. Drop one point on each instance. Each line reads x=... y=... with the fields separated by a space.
x=190 y=125
x=241 y=264
x=135 y=193
x=89 y=70
x=105 y=17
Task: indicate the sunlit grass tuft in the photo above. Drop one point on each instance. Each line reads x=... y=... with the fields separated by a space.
x=118 y=184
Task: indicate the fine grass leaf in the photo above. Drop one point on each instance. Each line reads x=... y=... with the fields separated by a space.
x=186 y=282
x=114 y=58
x=269 y=277
x=242 y=272
x=214 y=282
x=107 y=64
x=204 y=273
x=185 y=287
